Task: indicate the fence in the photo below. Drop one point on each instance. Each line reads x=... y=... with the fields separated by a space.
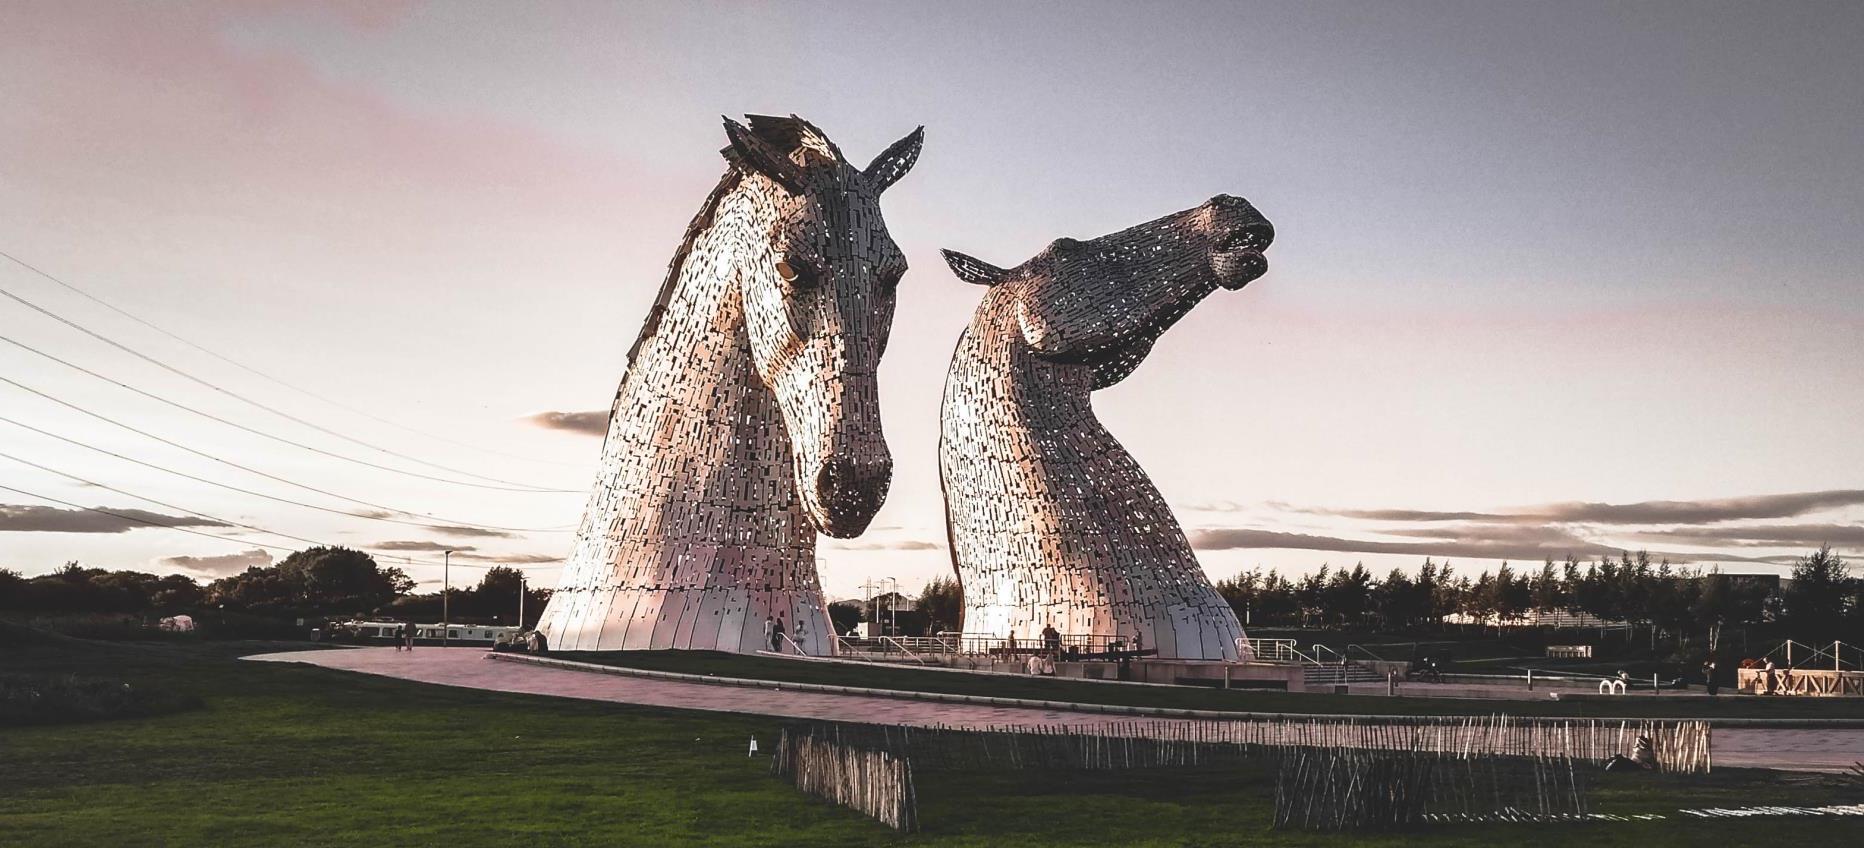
x=1335 y=789
x=1331 y=773
x=874 y=782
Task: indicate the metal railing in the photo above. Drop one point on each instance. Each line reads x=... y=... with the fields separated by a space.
x=1275 y=650
x=1813 y=656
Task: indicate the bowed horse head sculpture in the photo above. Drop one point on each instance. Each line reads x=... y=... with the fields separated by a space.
x=748 y=418
x=1103 y=302
x=1052 y=523
x=818 y=297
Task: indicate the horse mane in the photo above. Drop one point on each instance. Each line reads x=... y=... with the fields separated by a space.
x=783 y=133
x=700 y=222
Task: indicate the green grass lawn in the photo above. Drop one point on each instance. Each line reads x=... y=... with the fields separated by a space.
x=295 y=755
x=1191 y=697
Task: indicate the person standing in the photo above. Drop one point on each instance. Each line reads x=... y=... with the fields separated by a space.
x=1708 y=677
x=776 y=636
x=1772 y=681
x=770 y=632
x=407 y=637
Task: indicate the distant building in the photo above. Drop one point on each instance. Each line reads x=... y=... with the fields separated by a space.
x=1536 y=618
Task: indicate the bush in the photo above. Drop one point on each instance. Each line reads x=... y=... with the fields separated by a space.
x=66 y=699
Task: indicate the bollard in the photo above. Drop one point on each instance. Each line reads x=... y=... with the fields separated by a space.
x=1653 y=683
x=1530 y=680
x=1391 y=683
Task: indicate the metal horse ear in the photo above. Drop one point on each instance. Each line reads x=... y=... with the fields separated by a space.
x=974 y=270
x=895 y=161
x=749 y=150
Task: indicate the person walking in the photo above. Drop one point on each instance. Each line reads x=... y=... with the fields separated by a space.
x=407 y=637
x=776 y=637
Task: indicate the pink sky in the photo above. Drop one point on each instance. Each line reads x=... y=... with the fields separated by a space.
x=1523 y=258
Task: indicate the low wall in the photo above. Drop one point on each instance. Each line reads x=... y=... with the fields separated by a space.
x=1221 y=675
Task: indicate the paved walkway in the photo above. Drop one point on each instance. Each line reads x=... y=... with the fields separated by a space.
x=470 y=668
x=1791 y=749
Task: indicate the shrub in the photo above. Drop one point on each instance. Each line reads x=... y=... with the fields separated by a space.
x=65 y=699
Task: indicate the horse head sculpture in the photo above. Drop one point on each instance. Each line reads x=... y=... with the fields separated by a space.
x=818 y=304
x=1104 y=302
x=1052 y=523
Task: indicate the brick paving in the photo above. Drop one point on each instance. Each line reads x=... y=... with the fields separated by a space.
x=1789 y=749
x=470 y=668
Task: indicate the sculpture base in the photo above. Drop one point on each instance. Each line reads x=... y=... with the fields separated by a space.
x=684 y=619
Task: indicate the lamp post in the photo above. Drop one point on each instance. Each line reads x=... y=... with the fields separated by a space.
x=521 y=594
x=446 y=588
x=893 y=606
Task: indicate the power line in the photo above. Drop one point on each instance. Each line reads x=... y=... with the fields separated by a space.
x=256 y=372
x=249 y=469
x=165 y=505
x=238 y=426
x=126 y=517
x=242 y=398
x=139 y=520
x=243 y=491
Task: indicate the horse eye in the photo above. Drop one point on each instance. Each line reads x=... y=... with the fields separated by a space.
x=796 y=273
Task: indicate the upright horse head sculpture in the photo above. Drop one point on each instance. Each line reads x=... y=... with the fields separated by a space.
x=1051 y=522
x=748 y=419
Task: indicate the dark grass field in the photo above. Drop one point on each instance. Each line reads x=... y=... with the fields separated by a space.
x=291 y=755
x=1188 y=697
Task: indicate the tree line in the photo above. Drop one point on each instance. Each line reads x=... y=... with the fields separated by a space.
x=1821 y=603
x=315 y=583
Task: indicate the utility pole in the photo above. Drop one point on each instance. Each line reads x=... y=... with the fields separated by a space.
x=446 y=589
x=893 y=606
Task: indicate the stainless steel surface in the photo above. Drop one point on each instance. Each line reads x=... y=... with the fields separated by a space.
x=1052 y=523
x=748 y=418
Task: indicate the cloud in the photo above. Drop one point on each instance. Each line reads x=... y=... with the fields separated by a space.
x=219 y=565
x=591 y=423
x=512 y=559
x=1227 y=538
x=31 y=518
x=1764 y=536
x=885 y=545
x=474 y=532
x=1642 y=512
x=408 y=545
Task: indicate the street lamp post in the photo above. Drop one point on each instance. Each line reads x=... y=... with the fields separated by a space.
x=521 y=593
x=446 y=589
x=893 y=606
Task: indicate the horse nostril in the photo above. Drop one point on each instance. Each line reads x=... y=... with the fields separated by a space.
x=846 y=486
x=1252 y=236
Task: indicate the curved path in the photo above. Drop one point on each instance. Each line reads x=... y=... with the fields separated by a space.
x=1790 y=749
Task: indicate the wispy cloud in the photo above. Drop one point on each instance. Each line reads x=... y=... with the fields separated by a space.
x=885 y=545
x=1764 y=536
x=512 y=559
x=470 y=532
x=591 y=423
x=32 y=518
x=1642 y=512
x=410 y=545
x=219 y=565
x=1228 y=538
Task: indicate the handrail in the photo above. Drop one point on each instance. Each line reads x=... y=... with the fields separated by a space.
x=1834 y=653
x=1364 y=650
x=1317 y=648
x=908 y=651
